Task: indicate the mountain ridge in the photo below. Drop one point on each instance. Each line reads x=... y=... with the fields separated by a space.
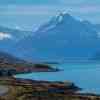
x=62 y=37
x=9 y=37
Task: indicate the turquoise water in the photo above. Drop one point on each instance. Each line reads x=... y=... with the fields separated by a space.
x=86 y=76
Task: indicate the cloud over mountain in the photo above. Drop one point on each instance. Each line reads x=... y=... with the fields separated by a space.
x=5 y=36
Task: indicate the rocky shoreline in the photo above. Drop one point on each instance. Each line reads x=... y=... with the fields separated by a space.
x=43 y=90
x=39 y=90
x=22 y=68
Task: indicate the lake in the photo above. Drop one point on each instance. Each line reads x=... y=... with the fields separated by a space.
x=84 y=75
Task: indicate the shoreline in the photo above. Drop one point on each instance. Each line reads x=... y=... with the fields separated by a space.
x=21 y=69
x=65 y=89
x=39 y=88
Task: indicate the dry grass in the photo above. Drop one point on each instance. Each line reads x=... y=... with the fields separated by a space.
x=27 y=93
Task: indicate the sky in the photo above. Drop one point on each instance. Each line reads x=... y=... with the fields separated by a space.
x=29 y=14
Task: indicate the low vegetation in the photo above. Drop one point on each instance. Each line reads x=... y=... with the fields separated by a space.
x=27 y=93
x=35 y=92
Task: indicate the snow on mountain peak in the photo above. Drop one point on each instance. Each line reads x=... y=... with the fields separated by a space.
x=63 y=17
x=54 y=21
x=59 y=17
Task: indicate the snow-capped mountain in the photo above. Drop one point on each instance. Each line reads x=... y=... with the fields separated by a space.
x=63 y=37
x=66 y=24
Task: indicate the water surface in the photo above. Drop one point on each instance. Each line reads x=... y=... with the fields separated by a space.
x=86 y=76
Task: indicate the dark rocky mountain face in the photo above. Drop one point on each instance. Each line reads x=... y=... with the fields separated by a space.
x=63 y=37
x=6 y=58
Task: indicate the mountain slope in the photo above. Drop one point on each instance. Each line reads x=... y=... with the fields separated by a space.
x=6 y=58
x=63 y=37
x=9 y=37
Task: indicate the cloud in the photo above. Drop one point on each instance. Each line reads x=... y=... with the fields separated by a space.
x=5 y=36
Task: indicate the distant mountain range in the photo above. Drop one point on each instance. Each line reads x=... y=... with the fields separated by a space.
x=62 y=38
x=9 y=37
x=6 y=58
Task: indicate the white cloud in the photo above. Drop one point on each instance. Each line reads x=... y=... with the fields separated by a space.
x=5 y=36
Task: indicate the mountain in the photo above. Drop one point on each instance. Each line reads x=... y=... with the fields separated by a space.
x=9 y=37
x=6 y=58
x=62 y=38
x=96 y=27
